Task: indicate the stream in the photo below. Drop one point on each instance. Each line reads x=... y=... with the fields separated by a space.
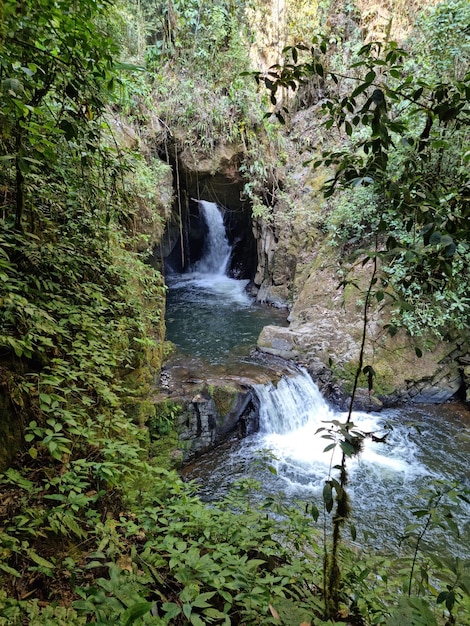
x=212 y=321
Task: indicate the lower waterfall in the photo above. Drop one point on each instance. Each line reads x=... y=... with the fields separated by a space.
x=293 y=421
x=385 y=479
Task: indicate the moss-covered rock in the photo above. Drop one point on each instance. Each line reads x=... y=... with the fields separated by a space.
x=140 y=410
x=224 y=398
x=214 y=412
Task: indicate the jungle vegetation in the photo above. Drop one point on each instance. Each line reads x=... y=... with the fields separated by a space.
x=95 y=524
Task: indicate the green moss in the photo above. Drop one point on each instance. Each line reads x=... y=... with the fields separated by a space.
x=140 y=410
x=383 y=383
x=165 y=452
x=345 y=375
x=140 y=380
x=165 y=447
x=224 y=397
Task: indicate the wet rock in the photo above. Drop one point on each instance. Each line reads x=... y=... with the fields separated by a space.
x=466 y=377
x=218 y=401
x=203 y=424
x=279 y=341
x=365 y=401
x=443 y=386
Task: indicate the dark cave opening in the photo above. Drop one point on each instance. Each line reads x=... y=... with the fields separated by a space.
x=185 y=239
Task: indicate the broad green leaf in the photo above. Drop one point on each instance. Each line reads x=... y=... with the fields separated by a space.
x=196 y=620
x=40 y=560
x=328 y=496
x=135 y=611
x=11 y=571
x=201 y=600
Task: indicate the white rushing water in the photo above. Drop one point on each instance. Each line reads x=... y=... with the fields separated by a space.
x=207 y=278
x=291 y=415
x=385 y=482
x=209 y=315
x=216 y=247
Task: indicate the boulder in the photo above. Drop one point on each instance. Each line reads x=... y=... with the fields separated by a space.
x=203 y=425
x=217 y=402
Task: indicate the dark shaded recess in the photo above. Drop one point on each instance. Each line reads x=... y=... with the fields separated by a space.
x=243 y=260
x=194 y=229
x=461 y=395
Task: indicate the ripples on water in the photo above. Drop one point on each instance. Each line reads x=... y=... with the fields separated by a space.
x=212 y=317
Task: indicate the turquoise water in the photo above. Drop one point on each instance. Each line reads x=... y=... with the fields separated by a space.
x=214 y=322
x=211 y=317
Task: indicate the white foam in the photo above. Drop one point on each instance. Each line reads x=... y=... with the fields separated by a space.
x=292 y=413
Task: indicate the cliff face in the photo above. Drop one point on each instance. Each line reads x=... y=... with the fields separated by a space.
x=325 y=333
x=300 y=268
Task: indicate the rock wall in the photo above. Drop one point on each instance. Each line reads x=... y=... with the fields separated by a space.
x=218 y=402
x=276 y=265
x=325 y=332
x=268 y=18
x=297 y=269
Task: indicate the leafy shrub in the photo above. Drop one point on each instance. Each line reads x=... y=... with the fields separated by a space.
x=353 y=217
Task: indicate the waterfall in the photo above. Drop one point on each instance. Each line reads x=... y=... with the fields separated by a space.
x=216 y=249
x=290 y=416
x=291 y=404
x=384 y=481
x=210 y=315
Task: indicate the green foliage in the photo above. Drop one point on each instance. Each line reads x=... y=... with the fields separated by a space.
x=190 y=30
x=80 y=312
x=305 y=18
x=403 y=207
x=207 y=568
x=405 y=148
x=353 y=217
x=440 y=501
x=442 y=45
x=194 y=54
x=163 y=421
x=53 y=86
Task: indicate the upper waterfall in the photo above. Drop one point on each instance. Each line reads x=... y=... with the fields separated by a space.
x=217 y=250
